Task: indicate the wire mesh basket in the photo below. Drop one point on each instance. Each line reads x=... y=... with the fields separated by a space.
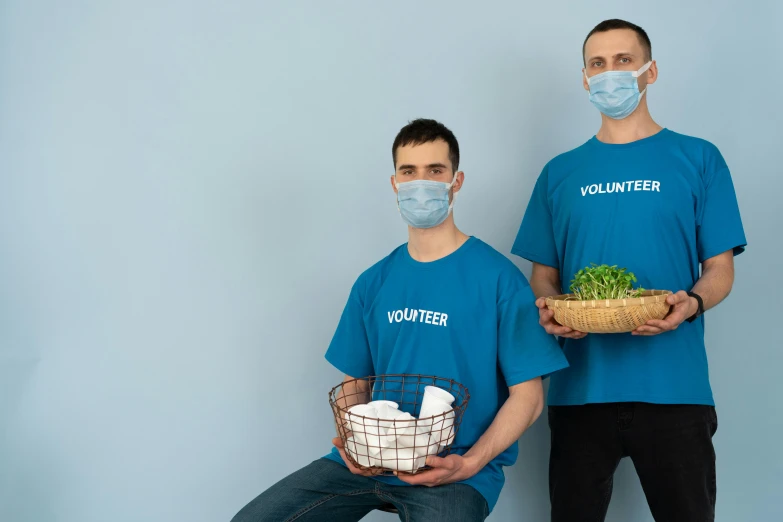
x=609 y=315
x=391 y=423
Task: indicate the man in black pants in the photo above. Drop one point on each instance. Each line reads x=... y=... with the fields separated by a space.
x=663 y=205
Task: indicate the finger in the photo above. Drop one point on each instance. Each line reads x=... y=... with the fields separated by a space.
x=353 y=469
x=546 y=318
x=647 y=327
x=677 y=298
x=576 y=335
x=559 y=330
x=338 y=442
x=414 y=479
x=665 y=325
x=435 y=462
x=541 y=302
x=440 y=469
x=647 y=330
x=427 y=478
x=669 y=323
x=676 y=315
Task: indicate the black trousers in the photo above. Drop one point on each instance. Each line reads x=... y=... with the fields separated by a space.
x=670 y=446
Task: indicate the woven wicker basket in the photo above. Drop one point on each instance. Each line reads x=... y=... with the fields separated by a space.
x=609 y=316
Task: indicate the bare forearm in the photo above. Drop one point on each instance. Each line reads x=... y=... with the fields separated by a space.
x=545 y=280
x=715 y=284
x=352 y=392
x=544 y=288
x=517 y=414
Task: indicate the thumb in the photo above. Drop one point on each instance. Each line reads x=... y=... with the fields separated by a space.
x=435 y=462
x=541 y=302
x=338 y=442
x=676 y=298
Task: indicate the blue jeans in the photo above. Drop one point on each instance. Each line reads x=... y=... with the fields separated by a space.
x=326 y=491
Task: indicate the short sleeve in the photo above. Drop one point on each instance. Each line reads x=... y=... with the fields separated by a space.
x=719 y=227
x=536 y=239
x=525 y=350
x=349 y=350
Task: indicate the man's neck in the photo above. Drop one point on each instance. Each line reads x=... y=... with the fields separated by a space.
x=431 y=244
x=637 y=126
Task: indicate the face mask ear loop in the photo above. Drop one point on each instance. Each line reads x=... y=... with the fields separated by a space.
x=397 y=195
x=641 y=72
x=588 y=83
x=643 y=69
x=453 y=194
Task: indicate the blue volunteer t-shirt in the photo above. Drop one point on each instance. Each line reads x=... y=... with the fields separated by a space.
x=659 y=207
x=469 y=316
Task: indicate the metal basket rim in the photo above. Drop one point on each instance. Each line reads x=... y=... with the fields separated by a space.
x=462 y=406
x=380 y=471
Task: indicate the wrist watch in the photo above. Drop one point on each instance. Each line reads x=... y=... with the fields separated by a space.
x=700 y=310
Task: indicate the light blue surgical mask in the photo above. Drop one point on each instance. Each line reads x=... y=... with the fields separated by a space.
x=423 y=203
x=616 y=93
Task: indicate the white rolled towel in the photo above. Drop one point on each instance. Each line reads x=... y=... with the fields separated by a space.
x=423 y=444
x=402 y=459
x=441 y=426
x=366 y=429
x=359 y=452
x=379 y=403
x=360 y=417
x=374 y=443
x=396 y=423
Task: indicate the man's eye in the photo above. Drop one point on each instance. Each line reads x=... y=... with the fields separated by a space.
x=436 y=171
x=625 y=60
x=597 y=64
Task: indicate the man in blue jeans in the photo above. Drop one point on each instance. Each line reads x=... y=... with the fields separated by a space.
x=663 y=205
x=443 y=304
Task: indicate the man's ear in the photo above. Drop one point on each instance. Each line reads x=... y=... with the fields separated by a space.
x=459 y=179
x=652 y=73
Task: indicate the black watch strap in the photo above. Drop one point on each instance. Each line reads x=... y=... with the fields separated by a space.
x=700 y=311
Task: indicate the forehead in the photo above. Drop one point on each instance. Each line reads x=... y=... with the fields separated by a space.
x=424 y=153
x=609 y=43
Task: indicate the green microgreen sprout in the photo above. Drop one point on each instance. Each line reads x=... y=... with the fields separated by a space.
x=599 y=282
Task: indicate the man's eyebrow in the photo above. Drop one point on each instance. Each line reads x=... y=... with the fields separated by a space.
x=429 y=166
x=618 y=55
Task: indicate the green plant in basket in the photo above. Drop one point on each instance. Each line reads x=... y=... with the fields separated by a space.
x=599 y=282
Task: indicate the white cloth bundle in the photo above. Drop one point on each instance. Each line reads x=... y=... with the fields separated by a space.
x=384 y=436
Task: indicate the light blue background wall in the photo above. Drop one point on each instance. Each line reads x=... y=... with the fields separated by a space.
x=188 y=190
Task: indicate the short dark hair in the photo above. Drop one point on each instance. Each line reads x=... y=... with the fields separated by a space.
x=610 y=25
x=422 y=131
